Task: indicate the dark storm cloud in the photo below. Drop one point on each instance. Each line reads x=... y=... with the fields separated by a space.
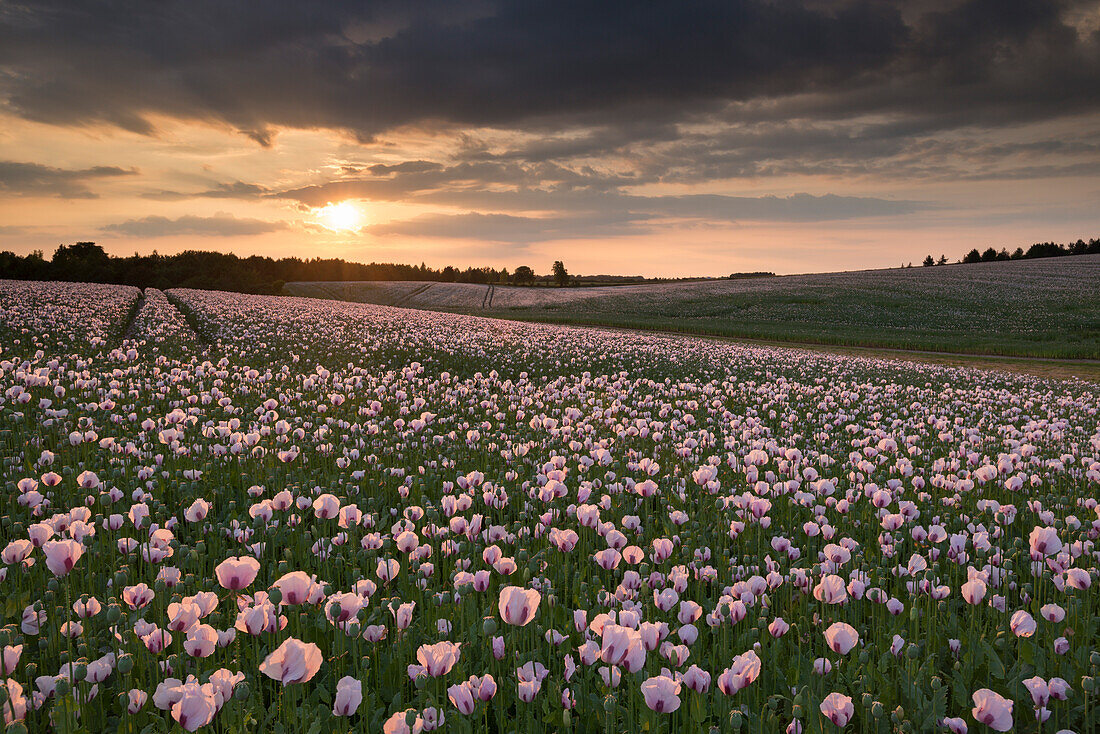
x=33 y=179
x=509 y=187
x=435 y=181
x=538 y=64
x=586 y=214
x=368 y=67
x=234 y=190
x=220 y=225
x=709 y=207
x=507 y=228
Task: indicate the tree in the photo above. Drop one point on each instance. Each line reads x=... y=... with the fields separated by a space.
x=561 y=275
x=989 y=255
x=84 y=260
x=942 y=260
x=928 y=261
x=973 y=256
x=524 y=275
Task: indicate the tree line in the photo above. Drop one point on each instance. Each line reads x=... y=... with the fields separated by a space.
x=87 y=261
x=1039 y=249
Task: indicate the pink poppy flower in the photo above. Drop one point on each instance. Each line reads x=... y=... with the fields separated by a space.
x=438 y=659
x=62 y=555
x=838 y=708
x=662 y=694
x=238 y=572
x=293 y=661
x=349 y=694
x=992 y=709
x=841 y=637
x=518 y=605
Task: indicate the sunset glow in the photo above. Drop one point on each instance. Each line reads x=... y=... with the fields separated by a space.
x=649 y=156
x=344 y=216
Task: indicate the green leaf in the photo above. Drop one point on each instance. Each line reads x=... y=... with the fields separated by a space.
x=958 y=690
x=996 y=667
x=698 y=713
x=1027 y=653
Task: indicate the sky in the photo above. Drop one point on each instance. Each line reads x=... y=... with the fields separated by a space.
x=657 y=138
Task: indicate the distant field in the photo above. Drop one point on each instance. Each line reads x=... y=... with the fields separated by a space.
x=1035 y=308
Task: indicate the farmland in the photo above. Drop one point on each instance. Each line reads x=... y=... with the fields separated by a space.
x=249 y=514
x=1032 y=308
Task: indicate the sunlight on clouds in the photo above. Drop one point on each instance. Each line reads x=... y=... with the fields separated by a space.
x=343 y=216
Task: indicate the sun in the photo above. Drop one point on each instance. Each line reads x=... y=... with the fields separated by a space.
x=341 y=216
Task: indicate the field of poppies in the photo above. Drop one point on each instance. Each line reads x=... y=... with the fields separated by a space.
x=1034 y=308
x=236 y=513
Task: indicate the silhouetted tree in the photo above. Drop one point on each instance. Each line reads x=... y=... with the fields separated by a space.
x=973 y=256
x=928 y=261
x=942 y=260
x=76 y=261
x=524 y=275
x=24 y=267
x=561 y=275
x=989 y=255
